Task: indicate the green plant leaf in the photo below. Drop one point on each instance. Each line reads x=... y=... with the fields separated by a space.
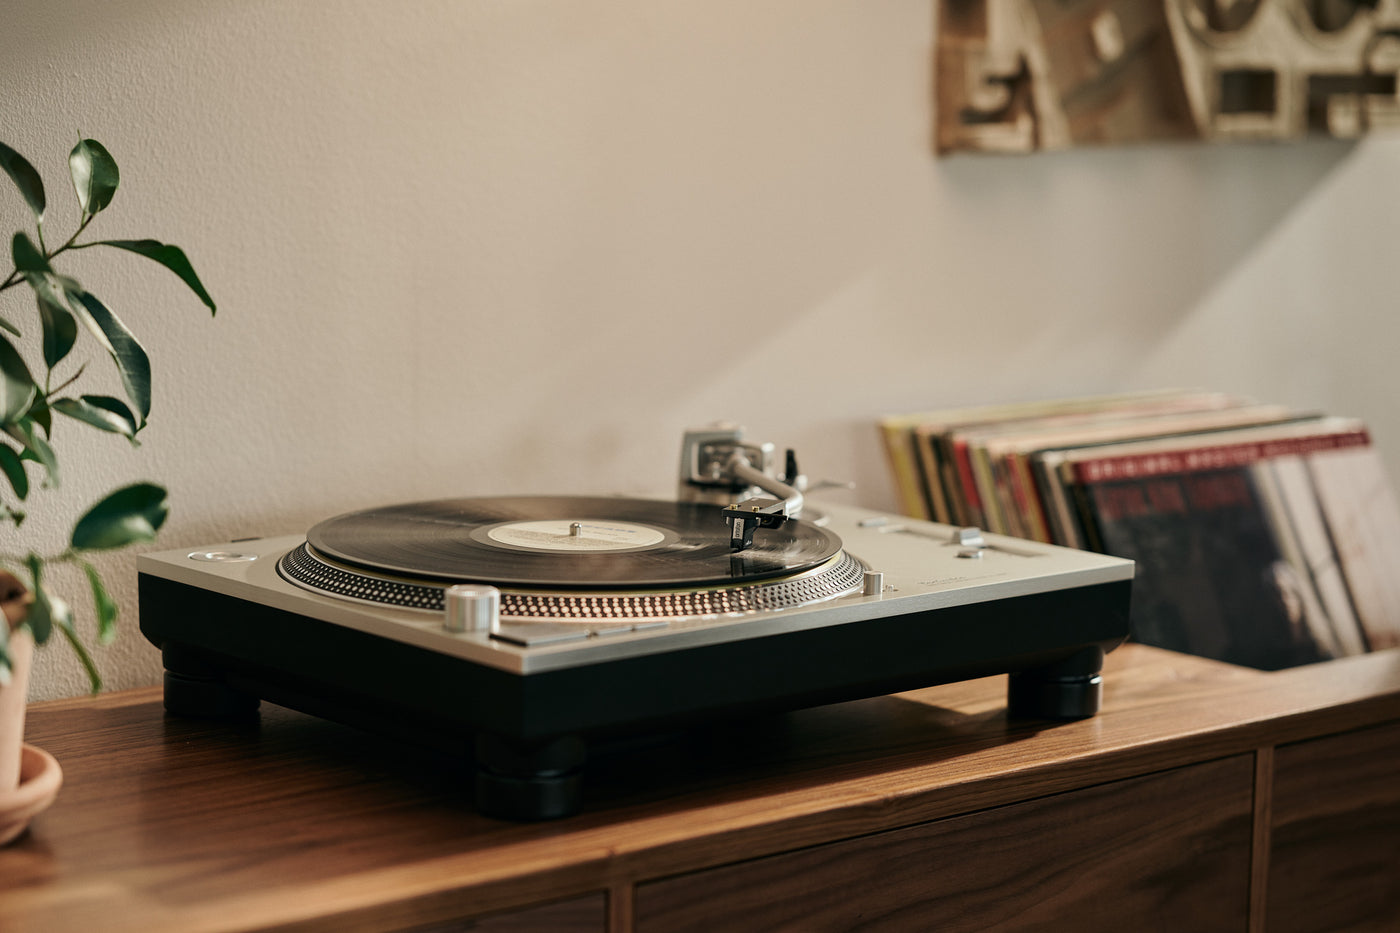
x=94 y=174
x=25 y=178
x=39 y=414
x=103 y=604
x=13 y=468
x=172 y=257
x=60 y=329
x=35 y=447
x=16 y=384
x=94 y=678
x=28 y=257
x=50 y=285
x=6 y=325
x=131 y=359
x=48 y=612
x=114 y=406
x=43 y=611
x=100 y=411
x=129 y=515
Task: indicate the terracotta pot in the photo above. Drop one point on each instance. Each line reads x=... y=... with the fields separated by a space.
x=29 y=777
x=12 y=699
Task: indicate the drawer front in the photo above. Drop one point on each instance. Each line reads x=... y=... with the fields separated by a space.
x=1334 y=861
x=580 y=915
x=1168 y=851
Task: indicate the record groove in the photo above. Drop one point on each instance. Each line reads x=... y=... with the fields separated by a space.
x=566 y=541
x=840 y=575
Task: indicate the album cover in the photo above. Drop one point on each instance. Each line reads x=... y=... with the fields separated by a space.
x=1263 y=536
x=1211 y=578
x=1004 y=457
x=1363 y=521
x=1050 y=469
x=988 y=480
x=1239 y=550
x=1303 y=534
x=935 y=473
x=897 y=441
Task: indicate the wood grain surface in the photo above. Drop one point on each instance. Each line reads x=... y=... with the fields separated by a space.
x=291 y=822
x=578 y=915
x=1335 y=861
x=1169 y=851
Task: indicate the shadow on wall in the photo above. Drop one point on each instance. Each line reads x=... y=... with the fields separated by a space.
x=1116 y=245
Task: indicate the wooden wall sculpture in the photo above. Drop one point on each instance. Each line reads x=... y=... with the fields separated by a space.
x=1022 y=75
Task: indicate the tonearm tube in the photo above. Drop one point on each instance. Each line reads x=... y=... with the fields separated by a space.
x=718 y=466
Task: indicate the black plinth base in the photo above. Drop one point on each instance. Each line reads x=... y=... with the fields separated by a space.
x=224 y=654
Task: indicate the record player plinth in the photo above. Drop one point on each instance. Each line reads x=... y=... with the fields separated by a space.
x=527 y=701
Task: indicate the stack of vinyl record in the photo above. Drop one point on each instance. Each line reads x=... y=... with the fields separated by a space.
x=1263 y=536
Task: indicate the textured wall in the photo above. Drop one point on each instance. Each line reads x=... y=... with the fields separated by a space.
x=519 y=245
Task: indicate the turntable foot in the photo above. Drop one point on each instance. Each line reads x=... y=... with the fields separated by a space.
x=199 y=691
x=1068 y=689
x=518 y=781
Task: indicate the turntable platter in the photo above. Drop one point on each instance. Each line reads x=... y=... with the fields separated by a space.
x=565 y=542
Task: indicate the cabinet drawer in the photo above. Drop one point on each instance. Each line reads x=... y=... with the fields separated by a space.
x=1334 y=861
x=1168 y=851
x=586 y=914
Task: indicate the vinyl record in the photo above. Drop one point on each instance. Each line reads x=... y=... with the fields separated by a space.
x=565 y=541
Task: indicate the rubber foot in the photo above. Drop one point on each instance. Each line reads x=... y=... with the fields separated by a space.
x=206 y=698
x=528 y=799
x=1035 y=697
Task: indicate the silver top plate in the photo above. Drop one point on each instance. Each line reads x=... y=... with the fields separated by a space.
x=920 y=562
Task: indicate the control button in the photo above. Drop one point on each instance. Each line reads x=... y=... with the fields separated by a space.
x=471 y=607
x=969 y=538
x=220 y=557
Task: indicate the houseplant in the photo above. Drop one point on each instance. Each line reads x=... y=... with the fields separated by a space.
x=33 y=414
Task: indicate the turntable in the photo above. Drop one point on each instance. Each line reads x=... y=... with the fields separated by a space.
x=527 y=628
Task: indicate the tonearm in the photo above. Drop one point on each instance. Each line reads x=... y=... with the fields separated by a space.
x=718 y=466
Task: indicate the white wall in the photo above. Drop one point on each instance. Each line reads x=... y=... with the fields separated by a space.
x=499 y=246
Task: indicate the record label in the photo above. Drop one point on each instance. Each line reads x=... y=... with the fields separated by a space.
x=565 y=535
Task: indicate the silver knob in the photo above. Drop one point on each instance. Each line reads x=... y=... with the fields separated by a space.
x=471 y=607
x=873 y=583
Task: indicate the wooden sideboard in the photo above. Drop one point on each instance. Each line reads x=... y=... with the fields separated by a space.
x=1203 y=797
